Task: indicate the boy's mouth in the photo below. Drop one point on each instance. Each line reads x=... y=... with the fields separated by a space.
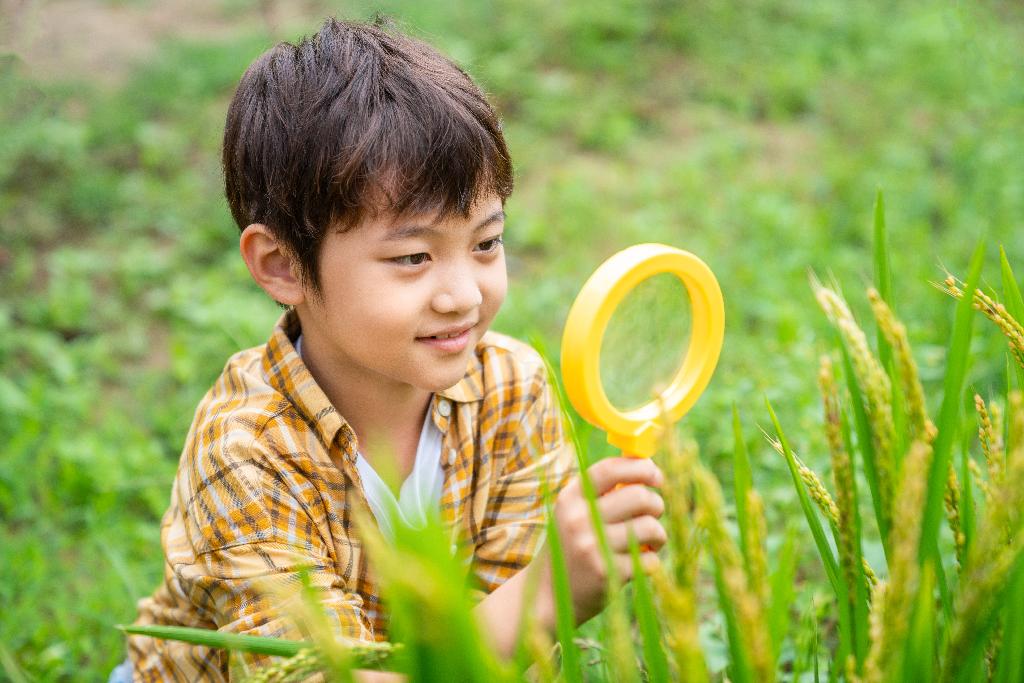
x=449 y=341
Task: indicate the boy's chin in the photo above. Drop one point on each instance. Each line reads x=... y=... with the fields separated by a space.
x=442 y=384
x=439 y=381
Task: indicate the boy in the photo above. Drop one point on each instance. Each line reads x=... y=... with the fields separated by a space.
x=368 y=176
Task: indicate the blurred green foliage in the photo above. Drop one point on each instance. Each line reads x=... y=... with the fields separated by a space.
x=753 y=134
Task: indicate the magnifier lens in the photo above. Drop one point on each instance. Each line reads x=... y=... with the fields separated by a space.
x=636 y=431
x=645 y=341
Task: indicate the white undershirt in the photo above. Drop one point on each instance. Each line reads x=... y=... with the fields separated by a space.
x=420 y=492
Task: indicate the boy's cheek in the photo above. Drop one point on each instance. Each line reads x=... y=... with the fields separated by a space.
x=499 y=289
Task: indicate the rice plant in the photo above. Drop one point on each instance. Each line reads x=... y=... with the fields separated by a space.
x=942 y=604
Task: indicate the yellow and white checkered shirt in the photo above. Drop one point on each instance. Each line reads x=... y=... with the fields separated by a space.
x=267 y=485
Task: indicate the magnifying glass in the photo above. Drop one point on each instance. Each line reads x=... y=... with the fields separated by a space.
x=637 y=431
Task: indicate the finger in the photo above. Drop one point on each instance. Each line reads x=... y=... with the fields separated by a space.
x=629 y=501
x=610 y=472
x=649 y=562
x=649 y=533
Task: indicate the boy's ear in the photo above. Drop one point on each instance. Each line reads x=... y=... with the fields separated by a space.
x=270 y=265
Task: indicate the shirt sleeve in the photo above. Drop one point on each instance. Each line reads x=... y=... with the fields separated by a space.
x=539 y=459
x=249 y=537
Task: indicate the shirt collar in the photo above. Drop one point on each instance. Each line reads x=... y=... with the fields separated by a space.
x=290 y=376
x=469 y=388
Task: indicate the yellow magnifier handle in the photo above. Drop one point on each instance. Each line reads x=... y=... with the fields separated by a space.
x=637 y=431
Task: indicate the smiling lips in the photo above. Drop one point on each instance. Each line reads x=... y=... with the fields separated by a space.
x=450 y=341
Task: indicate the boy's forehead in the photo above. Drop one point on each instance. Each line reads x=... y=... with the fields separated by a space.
x=389 y=225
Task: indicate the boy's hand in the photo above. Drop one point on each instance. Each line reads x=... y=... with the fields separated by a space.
x=624 y=502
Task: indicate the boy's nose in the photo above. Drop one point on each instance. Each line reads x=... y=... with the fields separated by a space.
x=457 y=293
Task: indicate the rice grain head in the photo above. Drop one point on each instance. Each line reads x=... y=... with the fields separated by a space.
x=996 y=312
x=679 y=608
x=895 y=602
x=305 y=663
x=877 y=391
x=895 y=333
x=757 y=565
x=751 y=611
x=990 y=436
x=842 y=472
x=677 y=592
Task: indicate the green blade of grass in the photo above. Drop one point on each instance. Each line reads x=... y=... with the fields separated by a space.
x=11 y=667
x=860 y=610
x=867 y=448
x=969 y=666
x=919 y=646
x=883 y=283
x=740 y=668
x=832 y=569
x=949 y=416
x=615 y=609
x=647 y=619
x=742 y=481
x=1012 y=298
x=967 y=511
x=258 y=645
x=782 y=591
x=1010 y=663
x=1014 y=303
x=883 y=274
x=565 y=621
x=817 y=531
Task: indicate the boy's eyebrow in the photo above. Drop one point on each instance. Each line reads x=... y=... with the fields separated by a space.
x=408 y=231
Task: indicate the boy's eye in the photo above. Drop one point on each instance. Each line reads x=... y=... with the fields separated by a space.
x=491 y=244
x=412 y=259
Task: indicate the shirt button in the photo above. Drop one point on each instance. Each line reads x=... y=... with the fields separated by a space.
x=452 y=456
x=444 y=407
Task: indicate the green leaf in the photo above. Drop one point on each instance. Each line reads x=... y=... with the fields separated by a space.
x=1010 y=661
x=919 y=647
x=1013 y=302
x=984 y=622
x=967 y=509
x=782 y=585
x=883 y=283
x=565 y=619
x=259 y=645
x=740 y=669
x=859 y=615
x=820 y=540
x=565 y=614
x=949 y=418
x=883 y=273
x=647 y=618
x=742 y=481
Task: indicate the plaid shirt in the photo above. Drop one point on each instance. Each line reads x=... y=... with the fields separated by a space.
x=267 y=485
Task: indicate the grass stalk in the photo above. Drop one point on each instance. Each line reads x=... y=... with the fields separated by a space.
x=677 y=592
x=647 y=618
x=750 y=641
x=872 y=390
x=895 y=604
x=949 y=416
x=848 y=527
x=820 y=540
x=742 y=481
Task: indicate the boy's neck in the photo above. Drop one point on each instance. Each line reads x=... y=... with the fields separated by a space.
x=386 y=416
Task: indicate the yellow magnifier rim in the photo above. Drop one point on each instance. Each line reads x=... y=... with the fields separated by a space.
x=637 y=431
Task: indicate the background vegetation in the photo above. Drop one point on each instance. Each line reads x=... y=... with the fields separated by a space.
x=754 y=135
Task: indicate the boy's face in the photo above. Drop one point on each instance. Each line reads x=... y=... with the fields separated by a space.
x=404 y=301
